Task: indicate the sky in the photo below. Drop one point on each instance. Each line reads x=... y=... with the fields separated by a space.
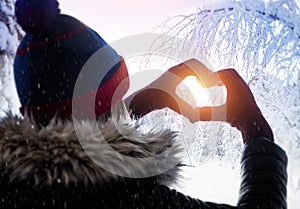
x=116 y=19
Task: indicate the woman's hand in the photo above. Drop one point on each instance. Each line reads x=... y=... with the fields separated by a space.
x=240 y=109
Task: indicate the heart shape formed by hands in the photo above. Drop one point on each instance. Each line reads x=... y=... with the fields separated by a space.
x=211 y=86
x=240 y=109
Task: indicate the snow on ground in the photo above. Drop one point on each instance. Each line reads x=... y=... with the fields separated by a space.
x=215 y=182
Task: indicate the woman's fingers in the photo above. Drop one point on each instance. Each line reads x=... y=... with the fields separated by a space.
x=191 y=67
x=231 y=79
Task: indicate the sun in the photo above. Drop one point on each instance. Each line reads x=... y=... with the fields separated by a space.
x=200 y=94
x=202 y=97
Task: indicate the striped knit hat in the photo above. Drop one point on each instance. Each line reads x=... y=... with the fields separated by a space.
x=49 y=61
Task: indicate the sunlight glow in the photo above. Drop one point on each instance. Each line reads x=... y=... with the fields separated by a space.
x=200 y=94
x=192 y=91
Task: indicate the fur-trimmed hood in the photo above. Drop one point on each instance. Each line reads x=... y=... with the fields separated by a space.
x=86 y=151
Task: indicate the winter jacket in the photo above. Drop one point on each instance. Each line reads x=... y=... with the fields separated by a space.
x=54 y=167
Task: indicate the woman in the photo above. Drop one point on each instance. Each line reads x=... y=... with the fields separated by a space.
x=47 y=166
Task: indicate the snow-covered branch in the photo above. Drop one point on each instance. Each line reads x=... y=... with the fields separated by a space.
x=246 y=35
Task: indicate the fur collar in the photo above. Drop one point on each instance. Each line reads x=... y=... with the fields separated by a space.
x=64 y=154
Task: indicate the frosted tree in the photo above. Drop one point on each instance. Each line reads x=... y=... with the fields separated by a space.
x=261 y=40
x=10 y=35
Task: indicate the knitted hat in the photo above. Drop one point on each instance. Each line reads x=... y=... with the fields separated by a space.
x=49 y=62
